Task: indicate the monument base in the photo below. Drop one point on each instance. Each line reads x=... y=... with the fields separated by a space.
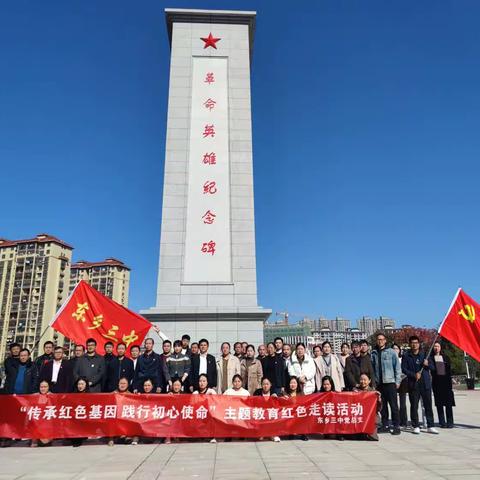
x=217 y=325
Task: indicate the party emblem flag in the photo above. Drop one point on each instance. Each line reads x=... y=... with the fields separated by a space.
x=462 y=324
x=89 y=314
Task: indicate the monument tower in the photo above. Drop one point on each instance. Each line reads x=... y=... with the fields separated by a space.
x=207 y=272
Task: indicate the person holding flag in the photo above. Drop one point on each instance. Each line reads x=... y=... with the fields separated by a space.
x=416 y=366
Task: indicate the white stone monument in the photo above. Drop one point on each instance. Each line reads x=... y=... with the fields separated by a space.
x=207 y=273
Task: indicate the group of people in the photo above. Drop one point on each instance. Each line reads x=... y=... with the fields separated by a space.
x=275 y=369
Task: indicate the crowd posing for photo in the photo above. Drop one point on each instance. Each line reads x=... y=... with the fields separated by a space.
x=275 y=369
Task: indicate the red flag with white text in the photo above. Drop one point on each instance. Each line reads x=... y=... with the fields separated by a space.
x=89 y=314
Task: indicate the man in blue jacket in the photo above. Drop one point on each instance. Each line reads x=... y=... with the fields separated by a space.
x=416 y=367
x=387 y=369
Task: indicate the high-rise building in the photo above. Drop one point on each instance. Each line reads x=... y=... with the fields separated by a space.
x=110 y=277
x=371 y=325
x=34 y=276
x=340 y=324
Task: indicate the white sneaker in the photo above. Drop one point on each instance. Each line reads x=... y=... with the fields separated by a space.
x=432 y=430
x=213 y=440
x=276 y=439
x=416 y=430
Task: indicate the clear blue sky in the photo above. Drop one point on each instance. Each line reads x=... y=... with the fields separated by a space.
x=366 y=145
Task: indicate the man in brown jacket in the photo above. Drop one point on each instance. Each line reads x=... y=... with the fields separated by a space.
x=251 y=371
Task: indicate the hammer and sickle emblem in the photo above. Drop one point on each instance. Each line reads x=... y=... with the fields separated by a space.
x=468 y=313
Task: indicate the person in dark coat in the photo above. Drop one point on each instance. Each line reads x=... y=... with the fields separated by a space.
x=58 y=372
x=46 y=356
x=275 y=370
x=416 y=366
x=108 y=357
x=22 y=376
x=442 y=385
x=92 y=367
x=14 y=349
x=78 y=352
x=204 y=363
x=151 y=365
x=355 y=365
x=119 y=367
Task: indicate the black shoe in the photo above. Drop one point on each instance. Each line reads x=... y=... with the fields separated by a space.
x=383 y=429
x=396 y=431
x=450 y=425
x=304 y=438
x=443 y=425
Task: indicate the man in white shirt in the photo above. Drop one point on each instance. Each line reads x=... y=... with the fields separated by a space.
x=203 y=363
x=58 y=372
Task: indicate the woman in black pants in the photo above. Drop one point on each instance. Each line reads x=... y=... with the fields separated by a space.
x=442 y=385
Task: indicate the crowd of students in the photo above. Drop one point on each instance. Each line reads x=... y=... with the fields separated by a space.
x=275 y=369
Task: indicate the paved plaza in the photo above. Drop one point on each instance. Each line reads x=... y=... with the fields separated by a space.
x=454 y=454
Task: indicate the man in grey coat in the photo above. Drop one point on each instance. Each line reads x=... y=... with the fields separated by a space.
x=91 y=366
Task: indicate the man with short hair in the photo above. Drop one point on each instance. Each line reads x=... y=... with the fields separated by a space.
x=227 y=366
x=108 y=357
x=78 y=352
x=91 y=366
x=46 y=356
x=244 y=349
x=134 y=354
x=364 y=348
x=194 y=349
x=22 y=376
x=119 y=367
x=387 y=370
x=262 y=354
x=204 y=363
x=58 y=372
x=238 y=350
x=416 y=367
x=151 y=366
x=186 y=345
x=287 y=354
x=278 y=342
x=14 y=349
x=355 y=365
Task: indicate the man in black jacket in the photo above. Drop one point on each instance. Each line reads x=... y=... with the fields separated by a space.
x=151 y=366
x=58 y=372
x=46 y=356
x=203 y=363
x=355 y=365
x=119 y=367
x=22 y=376
x=91 y=366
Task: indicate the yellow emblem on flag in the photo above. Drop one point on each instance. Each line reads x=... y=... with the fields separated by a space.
x=469 y=314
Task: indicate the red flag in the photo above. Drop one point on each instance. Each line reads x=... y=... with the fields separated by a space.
x=88 y=314
x=462 y=324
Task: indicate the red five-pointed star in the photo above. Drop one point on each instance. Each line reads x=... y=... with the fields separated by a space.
x=210 y=41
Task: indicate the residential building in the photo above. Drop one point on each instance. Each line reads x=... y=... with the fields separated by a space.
x=110 y=277
x=34 y=276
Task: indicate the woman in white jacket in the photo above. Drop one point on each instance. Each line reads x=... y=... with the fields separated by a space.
x=329 y=365
x=303 y=367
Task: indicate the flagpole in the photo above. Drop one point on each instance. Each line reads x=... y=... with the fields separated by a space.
x=441 y=325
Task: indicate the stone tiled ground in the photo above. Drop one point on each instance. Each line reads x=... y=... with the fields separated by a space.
x=454 y=454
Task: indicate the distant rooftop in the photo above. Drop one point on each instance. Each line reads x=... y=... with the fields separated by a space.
x=108 y=262
x=40 y=238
